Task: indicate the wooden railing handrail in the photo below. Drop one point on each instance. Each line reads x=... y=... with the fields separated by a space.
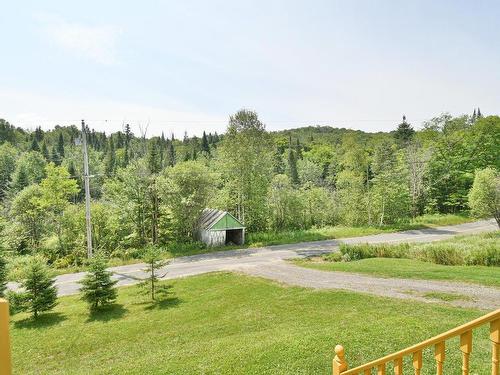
x=5 y=359
x=488 y=318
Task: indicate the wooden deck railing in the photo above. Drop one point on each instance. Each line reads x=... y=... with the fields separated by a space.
x=465 y=333
x=5 y=361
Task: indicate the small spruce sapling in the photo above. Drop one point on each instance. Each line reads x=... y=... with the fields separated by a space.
x=40 y=292
x=154 y=263
x=97 y=286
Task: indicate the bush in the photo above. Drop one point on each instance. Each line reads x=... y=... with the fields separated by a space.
x=41 y=294
x=97 y=287
x=482 y=249
x=363 y=251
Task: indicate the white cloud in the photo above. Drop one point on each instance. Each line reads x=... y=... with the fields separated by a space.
x=94 y=42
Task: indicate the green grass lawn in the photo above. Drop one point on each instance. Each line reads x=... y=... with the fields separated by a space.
x=230 y=324
x=411 y=269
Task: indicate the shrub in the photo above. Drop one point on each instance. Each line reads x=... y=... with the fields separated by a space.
x=363 y=251
x=97 y=287
x=41 y=294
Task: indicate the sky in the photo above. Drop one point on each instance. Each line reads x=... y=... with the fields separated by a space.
x=176 y=66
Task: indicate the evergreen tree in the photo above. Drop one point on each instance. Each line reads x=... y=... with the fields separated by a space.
x=21 y=178
x=60 y=145
x=154 y=263
x=126 y=158
x=45 y=151
x=171 y=154
x=3 y=276
x=128 y=134
x=38 y=134
x=54 y=156
x=154 y=164
x=34 y=145
x=474 y=116
x=109 y=162
x=404 y=132
x=41 y=294
x=479 y=115
x=97 y=287
x=204 y=143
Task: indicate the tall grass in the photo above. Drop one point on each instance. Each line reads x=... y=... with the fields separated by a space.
x=480 y=250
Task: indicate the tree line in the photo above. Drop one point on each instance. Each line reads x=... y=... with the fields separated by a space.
x=151 y=191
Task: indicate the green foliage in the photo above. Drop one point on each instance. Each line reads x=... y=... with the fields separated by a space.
x=40 y=293
x=3 y=275
x=97 y=286
x=154 y=263
x=185 y=190
x=246 y=163
x=484 y=196
x=8 y=156
x=481 y=250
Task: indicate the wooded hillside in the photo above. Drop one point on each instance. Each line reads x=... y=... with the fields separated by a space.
x=151 y=191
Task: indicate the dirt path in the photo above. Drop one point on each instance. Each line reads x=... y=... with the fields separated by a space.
x=467 y=295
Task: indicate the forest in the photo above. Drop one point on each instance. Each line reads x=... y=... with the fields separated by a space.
x=151 y=191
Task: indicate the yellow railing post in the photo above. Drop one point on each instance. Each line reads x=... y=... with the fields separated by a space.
x=339 y=363
x=495 y=347
x=5 y=360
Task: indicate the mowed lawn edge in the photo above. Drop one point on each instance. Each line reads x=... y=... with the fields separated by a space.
x=223 y=323
x=409 y=269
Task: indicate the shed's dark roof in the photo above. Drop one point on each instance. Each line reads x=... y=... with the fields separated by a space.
x=209 y=217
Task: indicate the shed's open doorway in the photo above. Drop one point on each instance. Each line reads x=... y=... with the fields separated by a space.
x=234 y=236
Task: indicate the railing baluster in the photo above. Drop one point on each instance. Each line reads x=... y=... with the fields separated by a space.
x=339 y=364
x=465 y=348
x=439 y=351
x=381 y=369
x=495 y=349
x=417 y=362
x=5 y=356
x=398 y=366
x=368 y=372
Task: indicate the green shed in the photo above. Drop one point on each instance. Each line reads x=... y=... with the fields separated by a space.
x=218 y=228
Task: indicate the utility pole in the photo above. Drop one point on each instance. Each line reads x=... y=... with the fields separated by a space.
x=86 y=178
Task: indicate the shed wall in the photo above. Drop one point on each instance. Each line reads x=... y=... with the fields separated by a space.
x=213 y=237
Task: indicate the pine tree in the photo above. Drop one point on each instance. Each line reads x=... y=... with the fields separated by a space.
x=479 y=115
x=34 y=145
x=54 y=156
x=474 y=116
x=154 y=263
x=45 y=151
x=204 y=143
x=3 y=276
x=38 y=134
x=128 y=134
x=126 y=157
x=21 y=179
x=109 y=162
x=60 y=145
x=171 y=154
x=41 y=293
x=97 y=287
x=404 y=133
x=154 y=164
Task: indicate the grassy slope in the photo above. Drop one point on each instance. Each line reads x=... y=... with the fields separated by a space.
x=229 y=324
x=411 y=269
